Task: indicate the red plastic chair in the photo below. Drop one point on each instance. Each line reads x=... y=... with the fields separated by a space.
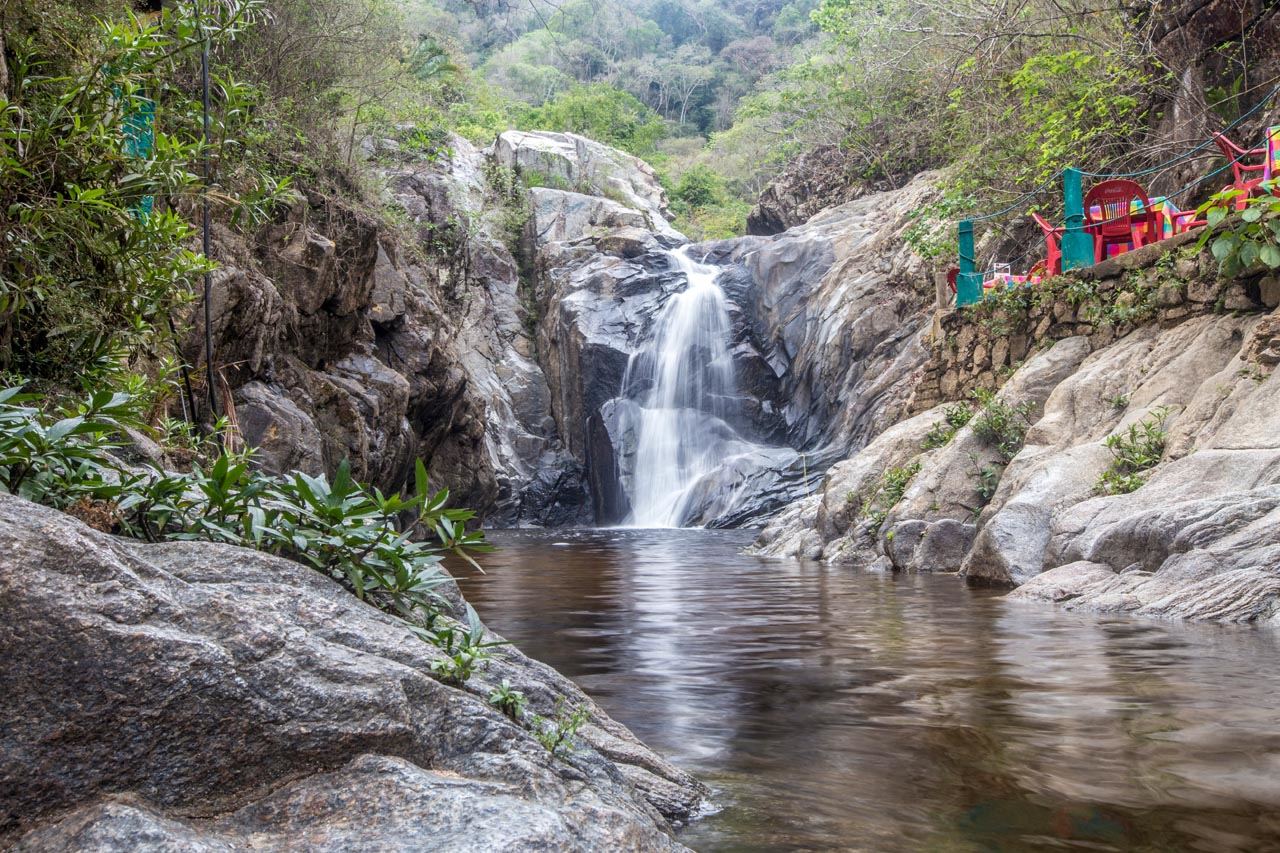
x=1247 y=175
x=1185 y=220
x=1110 y=218
x=1052 y=245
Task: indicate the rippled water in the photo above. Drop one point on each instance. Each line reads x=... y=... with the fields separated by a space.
x=833 y=710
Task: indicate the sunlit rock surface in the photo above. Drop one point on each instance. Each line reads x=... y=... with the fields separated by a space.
x=1199 y=539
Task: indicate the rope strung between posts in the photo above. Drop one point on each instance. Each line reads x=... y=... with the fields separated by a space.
x=1191 y=153
x=1186 y=155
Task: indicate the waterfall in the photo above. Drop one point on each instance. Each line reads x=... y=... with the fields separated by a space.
x=684 y=388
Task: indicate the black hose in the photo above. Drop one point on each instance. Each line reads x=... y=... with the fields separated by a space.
x=208 y=276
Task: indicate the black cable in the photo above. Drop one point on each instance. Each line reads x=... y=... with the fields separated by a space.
x=189 y=401
x=208 y=276
x=1018 y=202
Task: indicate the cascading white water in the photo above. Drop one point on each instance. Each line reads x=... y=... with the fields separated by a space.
x=684 y=386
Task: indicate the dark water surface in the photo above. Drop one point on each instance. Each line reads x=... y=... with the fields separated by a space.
x=835 y=710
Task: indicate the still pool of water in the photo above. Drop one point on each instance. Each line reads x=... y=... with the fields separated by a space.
x=838 y=710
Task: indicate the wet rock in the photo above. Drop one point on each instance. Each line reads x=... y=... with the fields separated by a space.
x=201 y=696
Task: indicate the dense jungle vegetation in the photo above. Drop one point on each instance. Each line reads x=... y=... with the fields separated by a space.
x=719 y=96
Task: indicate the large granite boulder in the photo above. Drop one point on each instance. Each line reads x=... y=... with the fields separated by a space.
x=567 y=161
x=204 y=697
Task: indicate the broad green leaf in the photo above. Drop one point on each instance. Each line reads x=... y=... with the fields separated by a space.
x=1224 y=246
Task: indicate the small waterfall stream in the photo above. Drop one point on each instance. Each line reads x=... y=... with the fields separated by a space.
x=686 y=396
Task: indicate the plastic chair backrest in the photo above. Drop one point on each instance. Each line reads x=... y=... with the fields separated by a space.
x=1046 y=226
x=1271 y=168
x=1108 y=207
x=1052 y=244
x=1238 y=158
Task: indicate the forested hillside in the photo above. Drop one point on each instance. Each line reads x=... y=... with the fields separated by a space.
x=729 y=94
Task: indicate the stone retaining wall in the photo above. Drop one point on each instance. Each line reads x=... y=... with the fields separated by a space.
x=1166 y=283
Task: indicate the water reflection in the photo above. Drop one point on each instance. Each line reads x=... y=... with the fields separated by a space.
x=836 y=710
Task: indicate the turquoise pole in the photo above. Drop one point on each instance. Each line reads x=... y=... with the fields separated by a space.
x=1077 y=244
x=969 y=281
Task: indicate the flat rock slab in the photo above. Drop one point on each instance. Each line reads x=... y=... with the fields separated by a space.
x=189 y=692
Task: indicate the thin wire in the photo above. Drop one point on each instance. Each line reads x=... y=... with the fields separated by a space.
x=1020 y=200
x=1191 y=153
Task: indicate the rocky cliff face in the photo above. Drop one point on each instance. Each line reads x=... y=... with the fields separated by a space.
x=1199 y=538
x=813 y=182
x=193 y=696
x=343 y=339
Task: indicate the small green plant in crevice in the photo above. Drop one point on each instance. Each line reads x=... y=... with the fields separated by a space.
x=1119 y=402
x=954 y=417
x=988 y=482
x=1134 y=451
x=987 y=478
x=558 y=732
x=465 y=649
x=999 y=424
x=508 y=700
x=893 y=484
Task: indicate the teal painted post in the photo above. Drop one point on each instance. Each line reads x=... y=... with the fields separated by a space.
x=1077 y=244
x=969 y=281
x=140 y=142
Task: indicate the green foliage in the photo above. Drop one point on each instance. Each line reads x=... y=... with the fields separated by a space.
x=57 y=459
x=1009 y=97
x=465 y=649
x=893 y=484
x=1070 y=104
x=1131 y=301
x=559 y=731
x=1134 y=451
x=603 y=113
x=508 y=700
x=699 y=187
x=83 y=271
x=953 y=418
x=988 y=482
x=1001 y=425
x=704 y=207
x=932 y=232
x=1242 y=241
x=385 y=549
